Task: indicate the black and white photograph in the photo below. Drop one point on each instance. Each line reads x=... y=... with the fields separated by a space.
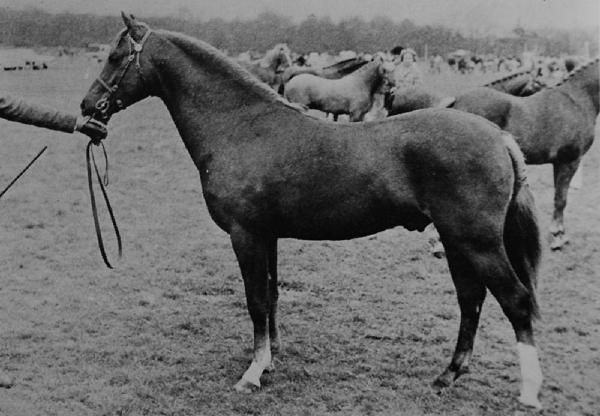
x=308 y=207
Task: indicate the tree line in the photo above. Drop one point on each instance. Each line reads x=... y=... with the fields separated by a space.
x=37 y=28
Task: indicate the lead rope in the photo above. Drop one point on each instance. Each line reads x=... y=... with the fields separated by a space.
x=90 y=159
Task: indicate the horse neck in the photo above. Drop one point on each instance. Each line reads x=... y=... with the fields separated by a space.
x=368 y=75
x=510 y=82
x=210 y=107
x=583 y=86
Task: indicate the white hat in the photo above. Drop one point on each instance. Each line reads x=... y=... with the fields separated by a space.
x=408 y=51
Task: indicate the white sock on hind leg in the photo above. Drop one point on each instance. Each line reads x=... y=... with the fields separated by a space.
x=531 y=375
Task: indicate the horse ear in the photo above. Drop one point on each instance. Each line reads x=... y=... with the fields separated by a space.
x=136 y=31
x=128 y=20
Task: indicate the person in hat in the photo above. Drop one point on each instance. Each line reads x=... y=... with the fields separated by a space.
x=407 y=73
x=16 y=109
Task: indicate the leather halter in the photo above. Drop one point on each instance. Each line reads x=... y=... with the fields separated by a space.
x=135 y=50
x=102 y=107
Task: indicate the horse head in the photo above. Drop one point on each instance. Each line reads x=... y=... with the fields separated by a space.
x=125 y=78
x=386 y=72
x=534 y=85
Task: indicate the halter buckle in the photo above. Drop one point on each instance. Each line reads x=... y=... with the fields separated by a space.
x=102 y=104
x=137 y=47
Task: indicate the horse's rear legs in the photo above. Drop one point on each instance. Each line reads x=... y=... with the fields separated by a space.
x=252 y=254
x=490 y=267
x=471 y=294
x=516 y=303
x=563 y=173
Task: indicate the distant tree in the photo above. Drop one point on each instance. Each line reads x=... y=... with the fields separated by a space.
x=33 y=27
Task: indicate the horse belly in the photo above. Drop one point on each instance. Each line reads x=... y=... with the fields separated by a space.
x=350 y=218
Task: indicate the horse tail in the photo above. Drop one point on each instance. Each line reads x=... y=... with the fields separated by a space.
x=521 y=229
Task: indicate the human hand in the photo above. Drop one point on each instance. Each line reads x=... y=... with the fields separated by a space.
x=91 y=127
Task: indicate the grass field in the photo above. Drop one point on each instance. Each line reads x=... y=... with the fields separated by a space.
x=367 y=324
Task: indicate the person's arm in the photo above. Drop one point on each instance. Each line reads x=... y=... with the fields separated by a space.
x=15 y=109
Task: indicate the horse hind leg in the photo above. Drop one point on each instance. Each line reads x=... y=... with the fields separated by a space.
x=488 y=264
x=471 y=294
x=563 y=173
x=252 y=255
x=517 y=303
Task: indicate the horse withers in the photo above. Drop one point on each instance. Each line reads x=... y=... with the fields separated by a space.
x=269 y=171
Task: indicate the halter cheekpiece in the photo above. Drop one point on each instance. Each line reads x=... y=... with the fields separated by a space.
x=135 y=50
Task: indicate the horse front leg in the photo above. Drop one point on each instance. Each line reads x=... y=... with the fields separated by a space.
x=563 y=173
x=252 y=255
x=274 y=336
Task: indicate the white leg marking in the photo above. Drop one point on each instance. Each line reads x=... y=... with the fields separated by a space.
x=261 y=361
x=531 y=375
x=253 y=373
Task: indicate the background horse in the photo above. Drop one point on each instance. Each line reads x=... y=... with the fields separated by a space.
x=334 y=71
x=269 y=171
x=351 y=94
x=520 y=84
x=414 y=98
x=555 y=125
x=269 y=68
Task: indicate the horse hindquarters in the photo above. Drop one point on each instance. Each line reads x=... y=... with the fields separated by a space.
x=498 y=250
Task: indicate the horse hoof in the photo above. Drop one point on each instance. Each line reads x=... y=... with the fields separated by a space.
x=444 y=380
x=6 y=381
x=270 y=368
x=558 y=242
x=530 y=402
x=438 y=250
x=246 y=387
x=275 y=347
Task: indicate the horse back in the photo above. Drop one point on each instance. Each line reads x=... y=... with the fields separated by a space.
x=338 y=181
x=489 y=103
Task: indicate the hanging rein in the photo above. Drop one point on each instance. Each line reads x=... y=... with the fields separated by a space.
x=103 y=106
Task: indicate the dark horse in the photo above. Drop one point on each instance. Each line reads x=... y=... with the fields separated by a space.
x=555 y=125
x=269 y=171
x=519 y=84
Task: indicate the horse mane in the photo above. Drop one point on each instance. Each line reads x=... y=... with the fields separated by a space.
x=199 y=49
x=366 y=67
x=506 y=78
x=576 y=72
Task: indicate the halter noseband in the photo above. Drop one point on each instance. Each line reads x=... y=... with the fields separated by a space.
x=135 y=50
